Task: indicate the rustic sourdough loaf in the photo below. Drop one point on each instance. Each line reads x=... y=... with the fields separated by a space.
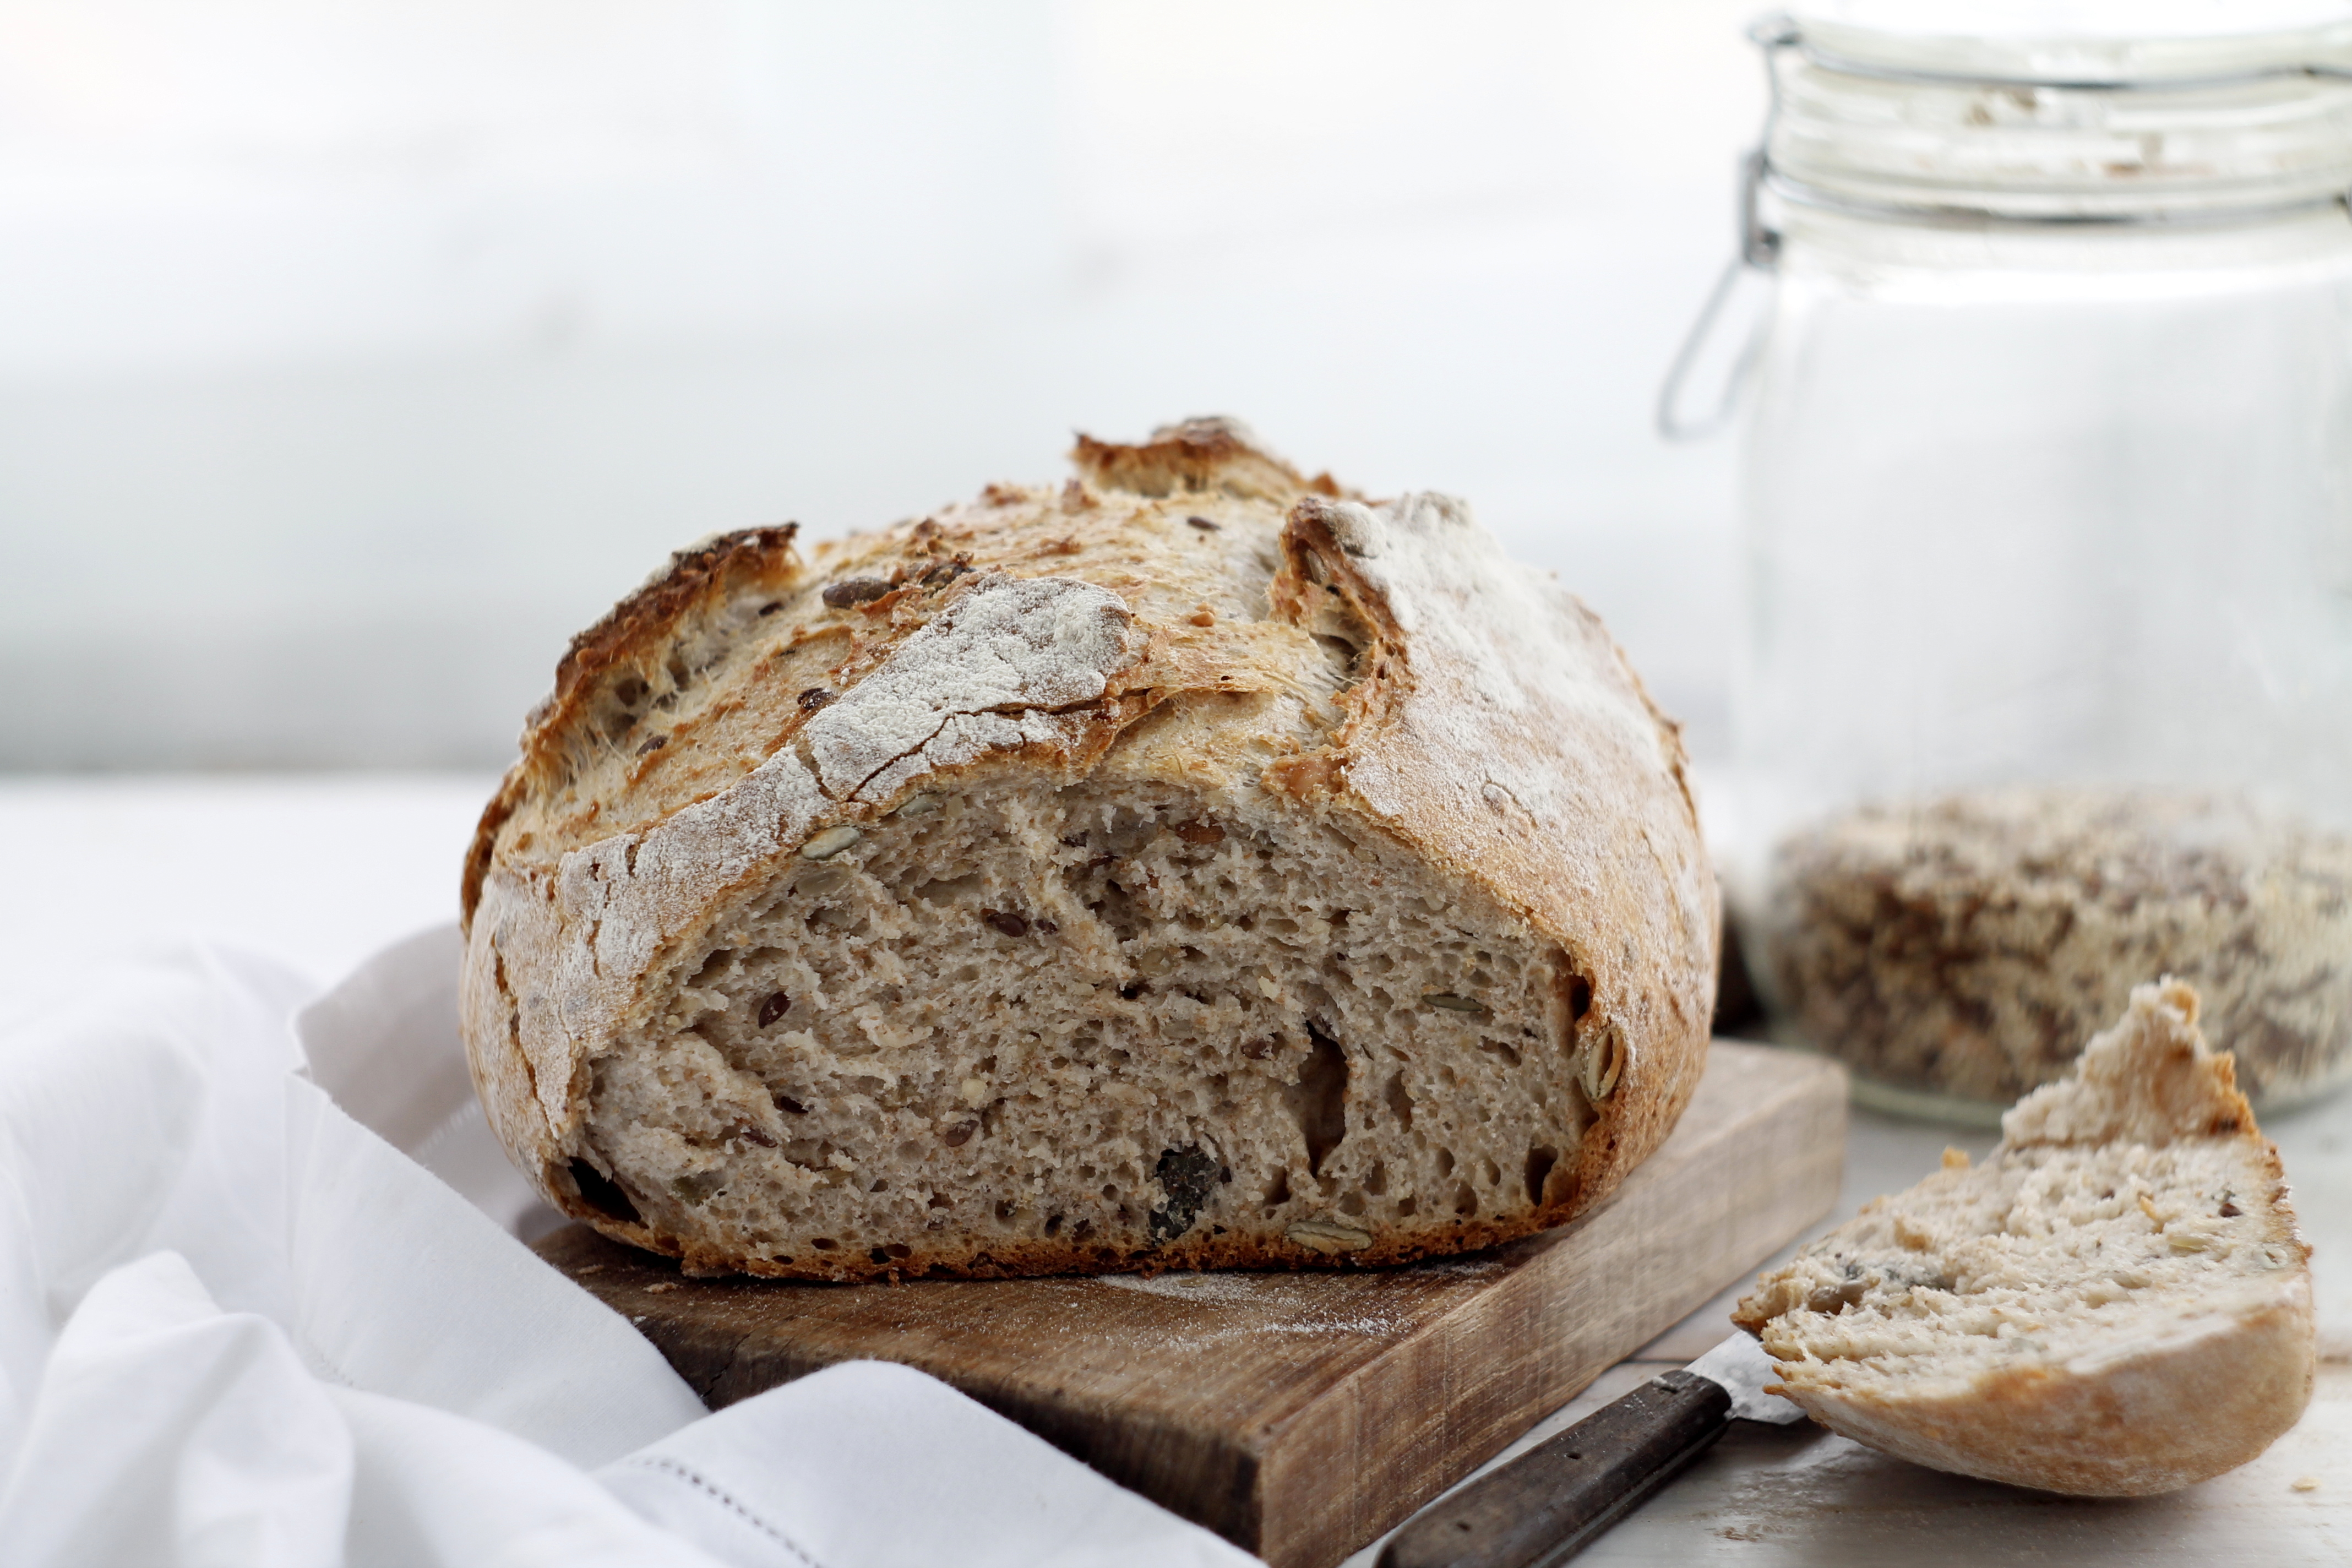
x=2116 y=1303
x=1184 y=866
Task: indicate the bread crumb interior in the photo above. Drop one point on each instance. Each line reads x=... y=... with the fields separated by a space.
x=1108 y=1016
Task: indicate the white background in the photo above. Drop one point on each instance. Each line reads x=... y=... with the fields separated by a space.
x=353 y=355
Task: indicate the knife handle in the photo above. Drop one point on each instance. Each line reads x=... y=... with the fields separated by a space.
x=1545 y=1506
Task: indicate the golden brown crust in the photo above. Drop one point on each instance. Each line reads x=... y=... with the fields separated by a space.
x=1196 y=456
x=1018 y=1259
x=648 y=618
x=2174 y=1415
x=494 y=815
x=638 y=627
x=625 y=834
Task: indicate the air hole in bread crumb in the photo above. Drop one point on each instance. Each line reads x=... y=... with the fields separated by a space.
x=1400 y=1101
x=1465 y=1201
x=1539 y=1163
x=602 y=1193
x=1320 y=1099
x=823 y=1243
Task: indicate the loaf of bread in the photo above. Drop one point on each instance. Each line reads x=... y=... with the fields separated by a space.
x=2116 y=1303
x=1184 y=866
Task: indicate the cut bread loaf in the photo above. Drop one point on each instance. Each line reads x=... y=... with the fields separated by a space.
x=2116 y=1303
x=1184 y=866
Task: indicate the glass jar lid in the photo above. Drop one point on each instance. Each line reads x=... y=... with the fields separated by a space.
x=2178 y=111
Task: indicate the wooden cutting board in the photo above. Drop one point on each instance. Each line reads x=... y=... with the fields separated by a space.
x=1297 y=1414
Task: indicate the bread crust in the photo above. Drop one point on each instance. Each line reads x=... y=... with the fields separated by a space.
x=1493 y=731
x=2178 y=1412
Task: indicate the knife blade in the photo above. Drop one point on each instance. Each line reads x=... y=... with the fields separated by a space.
x=1551 y=1503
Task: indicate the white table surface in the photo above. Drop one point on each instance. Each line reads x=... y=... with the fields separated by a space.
x=324 y=870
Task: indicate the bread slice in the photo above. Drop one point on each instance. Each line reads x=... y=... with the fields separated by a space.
x=2116 y=1303
x=1184 y=866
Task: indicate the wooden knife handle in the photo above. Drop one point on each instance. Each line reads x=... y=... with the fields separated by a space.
x=1544 y=1506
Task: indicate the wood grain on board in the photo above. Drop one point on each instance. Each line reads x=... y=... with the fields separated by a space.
x=1297 y=1414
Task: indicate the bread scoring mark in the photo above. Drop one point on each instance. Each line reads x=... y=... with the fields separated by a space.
x=1195 y=456
x=510 y=796
x=602 y=661
x=1502 y=662
x=1321 y=590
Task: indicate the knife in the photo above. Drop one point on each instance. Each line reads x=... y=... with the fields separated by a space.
x=1556 y=1499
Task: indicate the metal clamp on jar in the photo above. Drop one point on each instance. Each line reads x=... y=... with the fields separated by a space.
x=2046 y=679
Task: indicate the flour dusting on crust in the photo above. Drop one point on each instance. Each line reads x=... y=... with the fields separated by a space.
x=988 y=674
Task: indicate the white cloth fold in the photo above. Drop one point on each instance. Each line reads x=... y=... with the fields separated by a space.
x=941 y=1480
x=170 y=1431
x=378 y=1245
x=238 y=1326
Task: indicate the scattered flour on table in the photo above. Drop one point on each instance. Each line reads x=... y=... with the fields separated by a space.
x=1220 y=1290
x=1289 y=1305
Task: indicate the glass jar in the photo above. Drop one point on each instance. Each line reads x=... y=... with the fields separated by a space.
x=2046 y=675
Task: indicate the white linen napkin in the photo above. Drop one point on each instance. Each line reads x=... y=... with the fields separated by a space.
x=240 y=1325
